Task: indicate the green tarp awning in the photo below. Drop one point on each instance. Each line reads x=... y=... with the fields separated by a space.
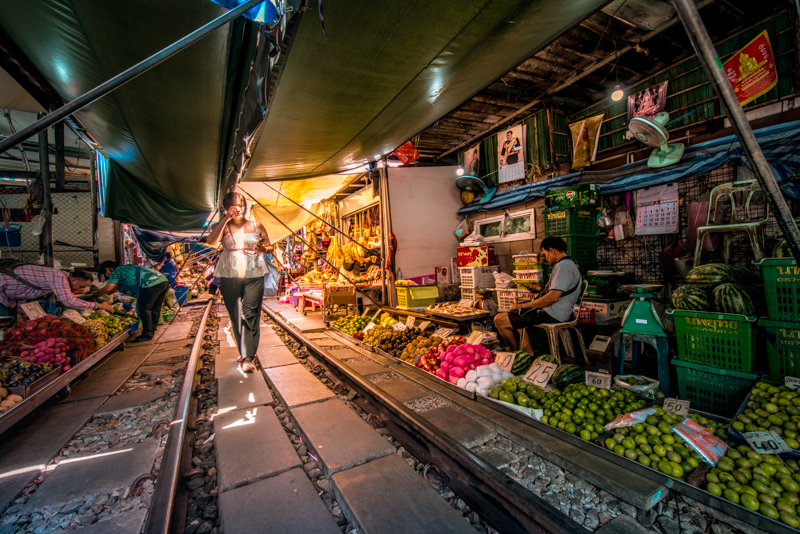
x=388 y=70
x=166 y=129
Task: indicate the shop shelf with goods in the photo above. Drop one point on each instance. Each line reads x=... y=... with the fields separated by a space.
x=475 y=277
x=570 y=221
x=718 y=391
x=783 y=348
x=416 y=296
x=717 y=340
x=781 y=277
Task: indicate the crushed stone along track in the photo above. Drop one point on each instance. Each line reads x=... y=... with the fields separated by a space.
x=531 y=468
x=102 y=474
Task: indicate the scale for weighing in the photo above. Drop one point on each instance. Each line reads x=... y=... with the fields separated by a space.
x=643 y=316
x=484 y=302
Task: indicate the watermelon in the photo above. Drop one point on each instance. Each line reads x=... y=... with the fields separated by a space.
x=548 y=358
x=710 y=275
x=733 y=298
x=522 y=363
x=691 y=298
x=782 y=250
x=713 y=274
x=742 y=276
x=568 y=374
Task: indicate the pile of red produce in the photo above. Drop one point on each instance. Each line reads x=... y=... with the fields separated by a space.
x=54 y=351
x=25 y=336
x=452 y=359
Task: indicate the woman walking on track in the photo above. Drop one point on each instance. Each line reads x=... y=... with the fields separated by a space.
x=241 y=268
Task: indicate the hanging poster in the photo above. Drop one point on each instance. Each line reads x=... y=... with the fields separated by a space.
x=751 y=70
x=511 y=154
x=472 y=160
x=648 y=103
x=585 y=138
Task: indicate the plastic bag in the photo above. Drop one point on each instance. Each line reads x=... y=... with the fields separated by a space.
x=462 y=229
x=503 y=280
x=630 y=419
x=271 y=280
x=700 y=440
x=620 y=380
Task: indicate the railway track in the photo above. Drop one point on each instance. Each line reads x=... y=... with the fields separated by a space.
x=506 y=504
x=502 y=502
x=108 y=453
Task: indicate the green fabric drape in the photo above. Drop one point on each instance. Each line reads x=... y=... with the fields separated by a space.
x=489 y=161
x=544 y=140
x=130 y=201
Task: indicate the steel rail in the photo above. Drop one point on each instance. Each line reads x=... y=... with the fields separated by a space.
x=166 y=486
x=129 y=74
x=526 y=512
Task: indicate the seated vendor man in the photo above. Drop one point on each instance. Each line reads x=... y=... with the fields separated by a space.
x=553 y=304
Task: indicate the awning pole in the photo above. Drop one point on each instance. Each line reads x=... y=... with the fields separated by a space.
x=47 y=201
x=707 y=54
x=128 y=75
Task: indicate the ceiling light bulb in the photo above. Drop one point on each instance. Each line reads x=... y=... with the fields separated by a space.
x=460 y=171
x=617 y=95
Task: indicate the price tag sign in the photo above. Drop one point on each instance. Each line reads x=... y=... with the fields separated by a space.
x=466 y=303
x=676 y=406
x=399 y=327
x=74 y=316
x=505 y=360
x=791 y=382
x=475 y=337
x=598 y=380
x=444 y=333
x=540 y=372
x=377 y=313
x=33 y=310
x=410 y=321
x=369 y=327
x=768 y=442
x=424 y=325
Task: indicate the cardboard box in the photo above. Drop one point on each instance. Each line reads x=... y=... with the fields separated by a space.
x=570 y=197
x=475 y=256
x=606 y=310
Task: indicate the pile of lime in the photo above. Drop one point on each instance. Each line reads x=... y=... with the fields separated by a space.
x=653 y=444
x=771 y=408
x=760 y=482
x=584 y=410
x=351 y=324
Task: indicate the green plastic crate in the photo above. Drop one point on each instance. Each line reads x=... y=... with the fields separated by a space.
x=571 y=221
x=416 y=296
x=721 y=340
x=582 y=249
x=783 y=348
x=781 y=278
x=718 y=391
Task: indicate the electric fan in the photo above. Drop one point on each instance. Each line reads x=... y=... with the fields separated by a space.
x=470 y=183
x=652 y=132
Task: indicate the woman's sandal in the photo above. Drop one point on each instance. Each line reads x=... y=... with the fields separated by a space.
x=247 y=366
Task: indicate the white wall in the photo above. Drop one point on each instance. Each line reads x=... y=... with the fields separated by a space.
x=424 y=203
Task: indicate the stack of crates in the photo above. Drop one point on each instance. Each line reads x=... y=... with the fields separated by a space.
x=473 y=278
x=716 y=359
x=578 y=227
x=507 y=297
x=781 y=277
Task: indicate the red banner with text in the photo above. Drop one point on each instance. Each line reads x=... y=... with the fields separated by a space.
x=752 y=70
